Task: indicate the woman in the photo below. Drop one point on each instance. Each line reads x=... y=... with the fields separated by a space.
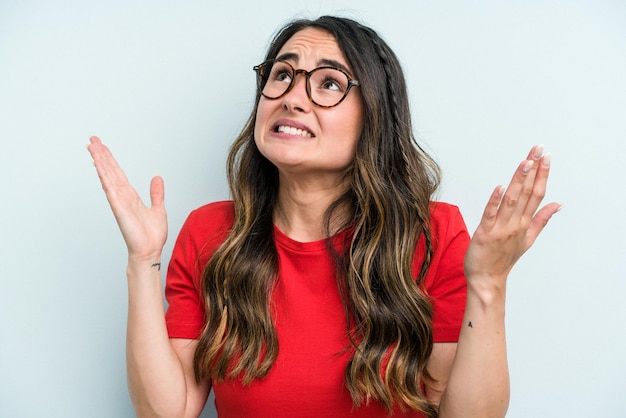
x=331 y=285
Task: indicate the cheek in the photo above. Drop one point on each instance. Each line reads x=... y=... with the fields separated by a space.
x=354 y=116
x=347 y=137
x=260 y=121
x=354 y=128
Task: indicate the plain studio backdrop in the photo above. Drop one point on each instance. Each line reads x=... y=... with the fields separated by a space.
x=168 y=86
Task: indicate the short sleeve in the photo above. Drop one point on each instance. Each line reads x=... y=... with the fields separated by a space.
x=445 y=281
x=201 y=234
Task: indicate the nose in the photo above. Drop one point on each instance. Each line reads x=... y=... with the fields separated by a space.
x=297 y=97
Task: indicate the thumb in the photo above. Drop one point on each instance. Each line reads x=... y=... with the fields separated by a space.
x=157 y=192
x=541 y=218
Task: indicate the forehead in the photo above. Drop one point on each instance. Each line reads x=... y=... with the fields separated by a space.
x=311 y=46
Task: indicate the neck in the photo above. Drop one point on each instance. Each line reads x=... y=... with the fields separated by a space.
x=302 y=206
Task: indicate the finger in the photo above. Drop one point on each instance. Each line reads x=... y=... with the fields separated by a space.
x=521 y=186
x=531 y=189
x=113 y=168
x=535 y=153
x=510 y=200
x=157 y=193
x=491 y=210
x=95 y=139
x=540 y=220
x=539 y=186
x=111 y=174
x=118 y=191
x=97 y=150
x=95 y=147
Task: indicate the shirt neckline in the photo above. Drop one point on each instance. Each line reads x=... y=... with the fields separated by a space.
x=281 y=238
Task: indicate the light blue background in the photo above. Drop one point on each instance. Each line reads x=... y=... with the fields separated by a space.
x=168 y=85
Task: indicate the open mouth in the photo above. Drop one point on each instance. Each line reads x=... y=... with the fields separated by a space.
x=290 y=130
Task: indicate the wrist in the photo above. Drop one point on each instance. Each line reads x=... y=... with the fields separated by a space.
x=489 y=290
x=144 y=265
x=142 y=259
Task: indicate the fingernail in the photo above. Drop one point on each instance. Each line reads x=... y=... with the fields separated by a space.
x=527 y=166
x=538 y=151
x=547 y=159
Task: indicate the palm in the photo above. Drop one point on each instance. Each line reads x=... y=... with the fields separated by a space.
x=144 y=229
x=511 y=221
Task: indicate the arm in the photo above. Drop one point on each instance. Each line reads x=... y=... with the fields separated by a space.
x=160 y=375
x=478 y=383
x=439 y=365
x=160 y=370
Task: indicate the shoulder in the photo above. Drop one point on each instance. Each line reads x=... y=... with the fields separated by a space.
x=213 y=214
x=443 y=210
x=445 y=219
x=208 y=226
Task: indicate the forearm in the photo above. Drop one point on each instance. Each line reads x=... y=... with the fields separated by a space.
x=479 y=380
x=156 y=378
x=160 y=371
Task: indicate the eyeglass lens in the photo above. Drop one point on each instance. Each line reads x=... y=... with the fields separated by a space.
x=327 y=86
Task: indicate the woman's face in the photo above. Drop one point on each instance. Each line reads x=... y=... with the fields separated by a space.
x=324 y=140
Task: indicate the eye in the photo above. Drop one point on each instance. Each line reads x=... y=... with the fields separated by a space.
x=283 y=76
x=281 y=73
x=331 y=84
x=329 y=80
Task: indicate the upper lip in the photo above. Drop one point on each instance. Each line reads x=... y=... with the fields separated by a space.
x=291 y=123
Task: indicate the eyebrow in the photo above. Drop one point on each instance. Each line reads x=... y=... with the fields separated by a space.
x=291 y=56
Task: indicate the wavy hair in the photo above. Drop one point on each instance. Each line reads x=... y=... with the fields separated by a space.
x=391 y=182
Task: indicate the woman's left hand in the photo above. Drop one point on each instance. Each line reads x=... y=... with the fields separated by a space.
x=510 y=223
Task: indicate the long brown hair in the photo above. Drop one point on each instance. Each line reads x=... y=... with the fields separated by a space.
x=391 y=183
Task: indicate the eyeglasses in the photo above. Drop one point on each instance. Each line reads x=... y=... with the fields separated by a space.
x=325 y=86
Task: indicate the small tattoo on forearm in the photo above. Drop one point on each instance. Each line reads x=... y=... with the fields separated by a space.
x=470 y=324
x=157 y=265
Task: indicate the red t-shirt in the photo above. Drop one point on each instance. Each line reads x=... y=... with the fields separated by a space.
x=307 y=379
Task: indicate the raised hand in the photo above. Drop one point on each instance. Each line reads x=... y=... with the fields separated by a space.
x=510 y=222
x=144 y=229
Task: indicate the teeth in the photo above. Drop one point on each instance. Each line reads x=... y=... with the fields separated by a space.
x=294 y=131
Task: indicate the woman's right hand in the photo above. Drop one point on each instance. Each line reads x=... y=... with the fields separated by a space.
x=144 y=229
